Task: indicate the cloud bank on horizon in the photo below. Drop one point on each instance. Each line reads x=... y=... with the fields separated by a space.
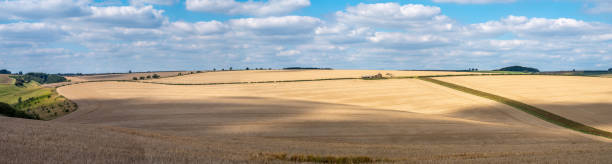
x=142 y=35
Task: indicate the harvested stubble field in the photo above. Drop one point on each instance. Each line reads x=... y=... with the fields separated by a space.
x=398 y=120
x=587 y=100
x=288 y=75
x=4 y=79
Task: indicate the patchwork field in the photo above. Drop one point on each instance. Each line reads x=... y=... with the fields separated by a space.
x=394 y=120
x=286 y=75
x=587 y=100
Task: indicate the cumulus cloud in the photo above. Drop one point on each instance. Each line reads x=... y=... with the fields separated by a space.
x=31 y=32
x=209 y=27
x=154 y=2
x=288 y=53
x=127 y=16
x=393 y=15
x=42 y=9
x=258 y=8
x=397 y=40
x=277 y=25
x=474 y=1
x=538 y=27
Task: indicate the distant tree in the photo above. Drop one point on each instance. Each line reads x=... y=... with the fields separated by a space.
x=4 y=71
x=142 y=77
x=247 y=68
x=130 y=71
x=198 y=71
x=148 y=76
x=180 y=74
x=519 y=69
x=269 y=68
x=230 y=68
x=134 y=78
x=610 y=70
x=156 y=76
x=19 y=100
x=222 y=69
x=20 y=73
x=214 y=69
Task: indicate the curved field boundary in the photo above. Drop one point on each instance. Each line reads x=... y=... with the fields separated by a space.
x=540 y=113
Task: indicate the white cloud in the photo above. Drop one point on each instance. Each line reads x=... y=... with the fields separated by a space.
x=258 y=8
x=277 y=25
x=154 y=2
x=537 y=27
x=397 y=40
x=203 y=28
x=31 y=32
x=288 y=53
x=474 y=1
x=41 y=9
x=393 y=15
x=127 y=16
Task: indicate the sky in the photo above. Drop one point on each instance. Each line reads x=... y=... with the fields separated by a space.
x=95 y=36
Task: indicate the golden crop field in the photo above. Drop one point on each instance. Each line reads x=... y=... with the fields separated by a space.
x=284 y=75
x=392 y=120
x=402 y=119
x=587 y=100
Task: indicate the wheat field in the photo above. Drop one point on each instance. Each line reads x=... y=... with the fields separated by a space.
x=399 y=120
x=587 y=100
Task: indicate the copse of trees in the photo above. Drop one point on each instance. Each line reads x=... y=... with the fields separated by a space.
x=156 y=76
x=4 y=71
x=290 y=68
x=610 y=70
x=39 y=77
x=519 y=69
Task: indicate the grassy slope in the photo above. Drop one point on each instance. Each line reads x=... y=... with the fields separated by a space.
x=45 y=103
x=540 y=113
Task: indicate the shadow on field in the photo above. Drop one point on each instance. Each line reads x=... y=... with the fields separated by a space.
x=315 y=121
x=231 y=129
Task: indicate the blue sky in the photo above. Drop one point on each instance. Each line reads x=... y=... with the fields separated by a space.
x=148 y=35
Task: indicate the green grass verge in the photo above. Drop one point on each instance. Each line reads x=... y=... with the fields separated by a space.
x=540 y=113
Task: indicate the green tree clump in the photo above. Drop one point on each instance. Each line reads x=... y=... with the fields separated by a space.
x=4 y=71
x=156 y=76
x=39 y=77
x=519 y=69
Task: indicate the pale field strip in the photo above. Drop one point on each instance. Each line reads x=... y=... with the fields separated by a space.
x=288 y=75
x=587 y=100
